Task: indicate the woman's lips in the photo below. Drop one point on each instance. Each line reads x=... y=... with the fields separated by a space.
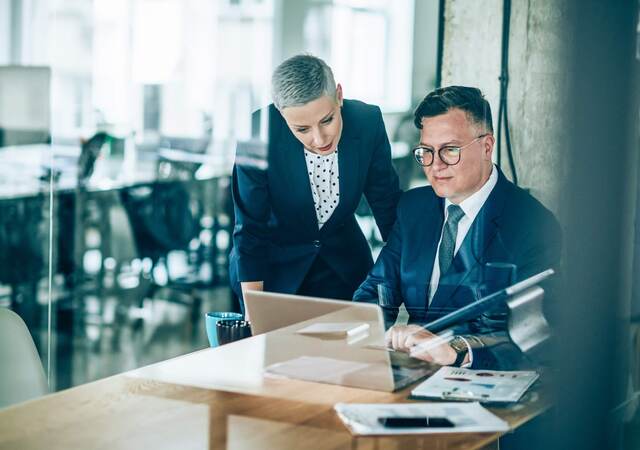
x=325 y=148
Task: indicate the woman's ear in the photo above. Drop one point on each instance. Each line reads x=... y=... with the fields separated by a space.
x=339 y=94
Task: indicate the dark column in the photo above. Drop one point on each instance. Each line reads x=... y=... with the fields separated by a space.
x=598 y=212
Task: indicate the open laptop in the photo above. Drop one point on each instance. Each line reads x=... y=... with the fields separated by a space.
x=359 y=360
x=270 y=310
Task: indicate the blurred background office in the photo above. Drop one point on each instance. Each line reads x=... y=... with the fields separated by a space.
x=119 y=121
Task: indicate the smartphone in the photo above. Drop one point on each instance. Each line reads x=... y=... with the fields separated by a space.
x=416 y=422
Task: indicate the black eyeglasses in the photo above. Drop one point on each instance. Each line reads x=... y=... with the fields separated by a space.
x=448 y=154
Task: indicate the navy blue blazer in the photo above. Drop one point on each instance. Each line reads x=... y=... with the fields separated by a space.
x=276 y=236
x=511 y=227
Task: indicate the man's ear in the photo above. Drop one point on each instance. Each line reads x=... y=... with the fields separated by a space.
x=488 y=144
x=339 y=94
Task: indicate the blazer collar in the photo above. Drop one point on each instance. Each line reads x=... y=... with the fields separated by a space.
x=289 y=153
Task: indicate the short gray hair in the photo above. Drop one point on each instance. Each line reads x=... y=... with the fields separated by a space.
x=300 y=80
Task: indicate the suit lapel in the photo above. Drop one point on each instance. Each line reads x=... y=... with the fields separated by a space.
x=466 y=268
x=291 y=168
x=427 y=245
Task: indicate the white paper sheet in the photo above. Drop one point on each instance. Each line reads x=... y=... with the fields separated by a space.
x=453 y=383
x=363 y=418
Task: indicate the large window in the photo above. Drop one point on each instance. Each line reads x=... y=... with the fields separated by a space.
x=369 y=44
x=188 y=67
x=119 y=121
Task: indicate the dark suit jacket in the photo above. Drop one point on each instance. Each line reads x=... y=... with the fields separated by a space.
x=512 y=227
x=276 y=236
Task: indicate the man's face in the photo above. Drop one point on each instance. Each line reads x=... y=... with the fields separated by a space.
x=461 y=180
x=317 y=124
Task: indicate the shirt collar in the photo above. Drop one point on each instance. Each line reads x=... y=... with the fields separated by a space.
x=472 y=204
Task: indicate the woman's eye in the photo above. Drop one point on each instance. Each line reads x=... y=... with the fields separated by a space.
x=302 y=130
x=327 y=120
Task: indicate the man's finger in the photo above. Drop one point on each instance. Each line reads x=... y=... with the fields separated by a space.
x=419 y=352
x=397 y=339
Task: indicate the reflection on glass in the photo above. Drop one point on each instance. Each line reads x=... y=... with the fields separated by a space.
x=27 y=169
x=115 y=178
x=342 y=344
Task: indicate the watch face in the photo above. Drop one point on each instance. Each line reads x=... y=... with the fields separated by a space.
x=461 y=349
x=458 y=345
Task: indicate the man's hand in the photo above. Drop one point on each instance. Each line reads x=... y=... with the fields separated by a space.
x=420 y=344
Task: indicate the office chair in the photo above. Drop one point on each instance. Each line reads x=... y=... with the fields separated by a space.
x=99 y=213
x=21 y=374
x=162 y=221
x=22 y=258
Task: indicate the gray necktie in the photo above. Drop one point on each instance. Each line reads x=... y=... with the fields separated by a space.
x=448 y=244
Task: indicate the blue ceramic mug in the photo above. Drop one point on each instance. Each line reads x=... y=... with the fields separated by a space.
x=212 y=319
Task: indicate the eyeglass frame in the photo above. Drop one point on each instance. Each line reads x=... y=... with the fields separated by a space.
x=433 y=153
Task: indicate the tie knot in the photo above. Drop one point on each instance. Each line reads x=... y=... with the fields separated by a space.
x=455 y=213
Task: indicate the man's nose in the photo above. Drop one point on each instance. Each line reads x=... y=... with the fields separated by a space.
x=438 y=164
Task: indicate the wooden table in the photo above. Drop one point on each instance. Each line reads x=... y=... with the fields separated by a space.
x=217 y=398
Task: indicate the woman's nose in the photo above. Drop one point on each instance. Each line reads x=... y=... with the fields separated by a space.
x=318 y=138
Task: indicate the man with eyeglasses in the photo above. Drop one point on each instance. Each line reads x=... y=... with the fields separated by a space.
x=446 y=233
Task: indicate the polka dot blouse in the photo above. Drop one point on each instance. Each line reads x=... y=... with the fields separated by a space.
x=325 y=183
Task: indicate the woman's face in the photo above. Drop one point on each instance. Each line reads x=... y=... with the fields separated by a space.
x=317 y=124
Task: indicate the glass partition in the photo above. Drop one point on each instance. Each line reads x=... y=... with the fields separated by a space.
x=27 y=171
x=119 y=121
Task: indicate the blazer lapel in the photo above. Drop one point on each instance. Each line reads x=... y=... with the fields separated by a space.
x=292 y=169
x=349 y=169
x=427 y=245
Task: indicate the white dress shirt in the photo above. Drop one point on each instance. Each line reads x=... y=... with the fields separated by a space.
x=471 y=207
x=324 y=178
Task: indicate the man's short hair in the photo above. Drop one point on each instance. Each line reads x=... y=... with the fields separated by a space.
x=468 y=99
x=300 y=80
